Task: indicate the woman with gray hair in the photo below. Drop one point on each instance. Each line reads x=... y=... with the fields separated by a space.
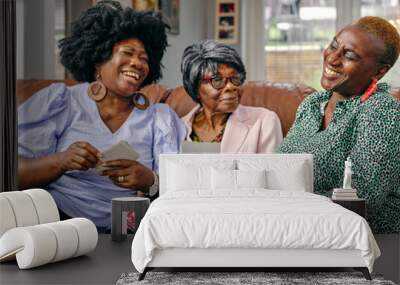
x=213 y=74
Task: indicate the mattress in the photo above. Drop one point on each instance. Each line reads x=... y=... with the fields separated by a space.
x=250 y=219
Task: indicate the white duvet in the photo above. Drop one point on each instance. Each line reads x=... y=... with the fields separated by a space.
x=252 y=218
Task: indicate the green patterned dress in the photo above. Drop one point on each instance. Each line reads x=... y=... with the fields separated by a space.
x=369 y=133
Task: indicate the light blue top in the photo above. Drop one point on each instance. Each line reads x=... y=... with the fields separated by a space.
x=58 y=116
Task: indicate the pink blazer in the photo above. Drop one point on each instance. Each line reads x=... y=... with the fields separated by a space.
x=248 y=130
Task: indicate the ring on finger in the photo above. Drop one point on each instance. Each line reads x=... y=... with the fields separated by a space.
x=121 y=179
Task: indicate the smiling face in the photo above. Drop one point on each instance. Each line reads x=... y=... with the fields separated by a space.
x=224 y=100
x=351 y=61
x=124 y=73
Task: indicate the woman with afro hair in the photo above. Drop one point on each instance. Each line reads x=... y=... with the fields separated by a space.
x=356 y=117
x=63 y=130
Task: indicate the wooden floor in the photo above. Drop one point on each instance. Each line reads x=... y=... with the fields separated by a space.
x=110 y=259
x=102 y=266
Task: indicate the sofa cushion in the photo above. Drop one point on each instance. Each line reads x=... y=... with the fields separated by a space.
x=396 y=92
x=27 y=87
x=282 y=98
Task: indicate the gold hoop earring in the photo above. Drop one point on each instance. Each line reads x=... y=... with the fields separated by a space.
x=97 y=90
x=135 y=99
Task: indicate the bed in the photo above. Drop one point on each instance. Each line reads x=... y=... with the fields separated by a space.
x=247 y=210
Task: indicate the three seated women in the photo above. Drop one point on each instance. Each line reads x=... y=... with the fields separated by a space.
x=63 y=130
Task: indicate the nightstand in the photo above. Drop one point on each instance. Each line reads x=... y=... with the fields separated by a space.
x=356 y=205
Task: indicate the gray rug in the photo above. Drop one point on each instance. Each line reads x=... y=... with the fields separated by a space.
x=230 y=278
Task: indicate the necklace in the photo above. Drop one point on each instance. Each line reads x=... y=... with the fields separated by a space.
x=370 y=90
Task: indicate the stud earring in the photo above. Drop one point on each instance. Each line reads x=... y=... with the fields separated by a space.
x=135 y=99
x=97 y=90
x=370 y=90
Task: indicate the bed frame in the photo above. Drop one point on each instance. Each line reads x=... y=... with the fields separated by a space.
x=245 y=258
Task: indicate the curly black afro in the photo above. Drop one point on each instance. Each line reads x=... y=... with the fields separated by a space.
x=100 y=27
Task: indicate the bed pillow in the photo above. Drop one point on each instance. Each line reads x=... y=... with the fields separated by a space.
x=223 y=179
x=280 y=174
x=184 y=176
x=228 y=179
x=251 y=178
x=292 y=179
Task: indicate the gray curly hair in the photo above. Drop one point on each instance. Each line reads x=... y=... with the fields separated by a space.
x=205 y=56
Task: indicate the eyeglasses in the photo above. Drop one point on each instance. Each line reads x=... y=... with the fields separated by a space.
x=218 y=82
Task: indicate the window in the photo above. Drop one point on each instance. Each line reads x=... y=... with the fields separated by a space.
x=297 y=32
x=390 y=10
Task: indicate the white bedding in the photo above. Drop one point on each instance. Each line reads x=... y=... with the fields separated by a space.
x=251 y=218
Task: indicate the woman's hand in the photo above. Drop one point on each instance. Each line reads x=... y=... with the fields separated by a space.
x=40 y=171
x=79 y=156
x=128 y=174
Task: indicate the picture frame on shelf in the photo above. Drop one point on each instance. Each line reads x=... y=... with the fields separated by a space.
x=141 y=5
x=170 y=11
x=168 y=8
x=138 y=5
x=227 y=21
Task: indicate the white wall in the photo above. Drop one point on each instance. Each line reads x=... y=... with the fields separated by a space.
x=35 y=38
x=38 y=39
x=193 y=27
x=252 y=38
x=196 y=23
